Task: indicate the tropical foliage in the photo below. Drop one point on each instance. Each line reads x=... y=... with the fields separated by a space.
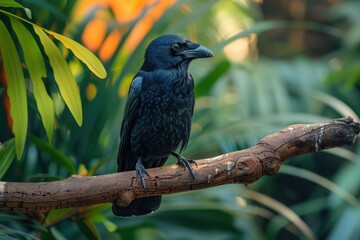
x=256 y=84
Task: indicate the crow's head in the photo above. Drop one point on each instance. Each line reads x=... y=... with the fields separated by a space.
x=169 y=51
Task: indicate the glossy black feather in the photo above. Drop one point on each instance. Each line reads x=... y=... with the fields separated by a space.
x=158 y=111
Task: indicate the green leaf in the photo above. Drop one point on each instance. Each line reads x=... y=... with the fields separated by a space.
x=36 y=67
x=16 y=89
x=346 y=226
x=283 y=210
x=100 y=218
x=94 y=210
x=7 y=155
x=11 y=3
x=57 y=155
x=63 y=76
x=88 y=228
x=316 y=178
x=54 y=234
x=101 y=162
x=336 y=104
x=209 y=80
x=82 y=53
x=58 y=214
x=110 y=226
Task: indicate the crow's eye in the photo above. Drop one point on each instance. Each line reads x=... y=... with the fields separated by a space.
x=175 y=47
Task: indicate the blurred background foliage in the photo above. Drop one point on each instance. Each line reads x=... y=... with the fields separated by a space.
x=276 y=63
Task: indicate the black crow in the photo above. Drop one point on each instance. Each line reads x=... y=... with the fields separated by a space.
x=157 y=114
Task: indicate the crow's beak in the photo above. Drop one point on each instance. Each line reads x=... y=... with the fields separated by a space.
x=198 y=52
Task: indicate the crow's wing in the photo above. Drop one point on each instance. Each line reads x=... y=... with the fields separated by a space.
x=186 y=137
x=131 y=113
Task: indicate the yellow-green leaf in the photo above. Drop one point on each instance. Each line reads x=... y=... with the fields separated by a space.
x=88 y=228
x=82 y=53
x=63 y=76
x=12 y=3
x=7 y=155
x=36 y=67
x=100 y=218
x=16 y=89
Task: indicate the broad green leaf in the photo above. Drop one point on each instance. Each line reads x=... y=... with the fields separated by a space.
x=16 y=89
x=56 y=155
x=63 y=76
x=7 y=155
x=79 y=51
x=82 y=53
x=11 y=3
x=36 y=67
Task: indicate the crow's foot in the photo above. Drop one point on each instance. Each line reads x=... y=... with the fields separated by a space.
x=140 y=171
x=185 y=163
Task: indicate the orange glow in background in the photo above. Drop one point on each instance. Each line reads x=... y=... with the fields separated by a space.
x=124 y=11
x=6 y=101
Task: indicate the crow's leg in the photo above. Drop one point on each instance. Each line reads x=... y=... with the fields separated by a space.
x=185 y=163
x=140 y=171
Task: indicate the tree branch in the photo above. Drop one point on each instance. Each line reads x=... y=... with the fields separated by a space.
x=244 y=166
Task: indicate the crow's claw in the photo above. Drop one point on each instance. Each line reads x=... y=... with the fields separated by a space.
x=185 y=163
x=192 y=161
x=140 y=171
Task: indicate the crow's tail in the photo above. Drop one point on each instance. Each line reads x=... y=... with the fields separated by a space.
x=140 y=206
